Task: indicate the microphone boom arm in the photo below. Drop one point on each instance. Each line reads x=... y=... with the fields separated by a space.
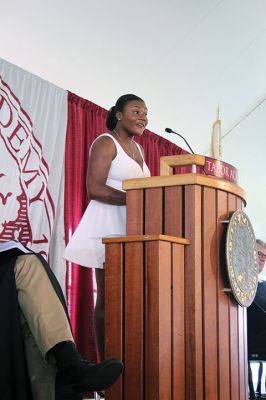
x=169 y=130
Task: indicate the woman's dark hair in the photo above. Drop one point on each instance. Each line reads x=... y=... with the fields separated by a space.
x=111 y=119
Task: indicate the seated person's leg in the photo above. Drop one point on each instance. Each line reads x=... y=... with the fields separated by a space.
x=41 y=373
x=40 y=305
x=50 y=328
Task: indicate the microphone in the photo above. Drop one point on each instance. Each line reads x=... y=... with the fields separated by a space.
x=169 y=130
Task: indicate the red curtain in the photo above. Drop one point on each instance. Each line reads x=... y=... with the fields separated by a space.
x=86 y=121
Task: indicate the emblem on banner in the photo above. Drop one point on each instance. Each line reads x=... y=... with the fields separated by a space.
x=24 y=197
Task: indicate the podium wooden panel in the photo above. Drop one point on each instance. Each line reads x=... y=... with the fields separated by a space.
x=208 y=351
x=145 y=316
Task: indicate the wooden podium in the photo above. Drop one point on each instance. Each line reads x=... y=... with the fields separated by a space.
x=169 y=315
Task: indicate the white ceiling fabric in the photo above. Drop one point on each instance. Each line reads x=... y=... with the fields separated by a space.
x=183 y=57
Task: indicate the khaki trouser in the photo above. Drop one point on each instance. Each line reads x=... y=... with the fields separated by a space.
x=44 y=323
x=41 y=373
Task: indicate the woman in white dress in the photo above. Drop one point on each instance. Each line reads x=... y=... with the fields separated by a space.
x=114 y=157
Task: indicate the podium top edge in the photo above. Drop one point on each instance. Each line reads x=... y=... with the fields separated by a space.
x=146 y=238
x=183 y=160
x=182 y=180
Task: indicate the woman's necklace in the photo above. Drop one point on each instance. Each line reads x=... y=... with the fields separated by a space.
x=125 y=146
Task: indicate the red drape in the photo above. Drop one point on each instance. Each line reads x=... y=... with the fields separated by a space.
x=86 y=121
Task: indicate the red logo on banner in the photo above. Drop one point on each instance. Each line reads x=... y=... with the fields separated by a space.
x=24 y=196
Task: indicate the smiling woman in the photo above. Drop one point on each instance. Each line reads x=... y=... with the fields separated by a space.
x=114 y=157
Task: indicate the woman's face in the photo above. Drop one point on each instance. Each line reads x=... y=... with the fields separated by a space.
x=133 y=118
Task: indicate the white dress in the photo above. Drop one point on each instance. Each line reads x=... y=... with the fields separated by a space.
x=103 y=220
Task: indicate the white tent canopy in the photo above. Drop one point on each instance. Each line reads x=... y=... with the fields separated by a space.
x=183 y=57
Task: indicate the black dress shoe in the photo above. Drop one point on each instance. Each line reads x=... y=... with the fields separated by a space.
x=84 y=376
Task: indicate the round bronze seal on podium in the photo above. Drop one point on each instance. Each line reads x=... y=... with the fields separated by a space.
x=241 y=258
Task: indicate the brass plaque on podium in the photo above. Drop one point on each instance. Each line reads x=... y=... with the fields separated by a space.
x=241 y=258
